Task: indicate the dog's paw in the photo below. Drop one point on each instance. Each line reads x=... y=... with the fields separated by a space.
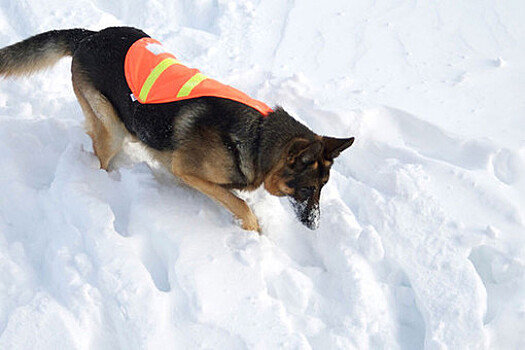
x=250 y=223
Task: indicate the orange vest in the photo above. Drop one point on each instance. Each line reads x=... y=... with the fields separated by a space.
x=156 y=76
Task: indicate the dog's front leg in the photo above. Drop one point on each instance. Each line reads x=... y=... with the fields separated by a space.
x=234 y=204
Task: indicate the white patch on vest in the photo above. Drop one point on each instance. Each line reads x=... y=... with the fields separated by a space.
x=156 y=49
x=133 y=98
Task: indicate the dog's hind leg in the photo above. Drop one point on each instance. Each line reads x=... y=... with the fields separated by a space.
x=102 y=122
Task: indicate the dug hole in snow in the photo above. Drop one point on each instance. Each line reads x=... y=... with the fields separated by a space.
x=421 y=239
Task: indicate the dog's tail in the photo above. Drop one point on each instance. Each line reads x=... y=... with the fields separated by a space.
x=40 y=51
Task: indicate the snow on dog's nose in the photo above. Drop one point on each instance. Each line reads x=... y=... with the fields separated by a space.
x=307 y=212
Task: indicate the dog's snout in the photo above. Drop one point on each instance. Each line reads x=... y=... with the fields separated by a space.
x=307 y=212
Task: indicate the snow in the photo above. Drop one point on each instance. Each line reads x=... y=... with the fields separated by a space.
x=421 y=241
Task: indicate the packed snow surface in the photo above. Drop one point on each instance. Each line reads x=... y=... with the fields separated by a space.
x=421 y=241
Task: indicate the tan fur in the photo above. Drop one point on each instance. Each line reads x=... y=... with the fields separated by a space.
x=274 y=183
x=18 y=63
x=207 y=184
x=33 y=66
x=201 y=155
x=102 y=122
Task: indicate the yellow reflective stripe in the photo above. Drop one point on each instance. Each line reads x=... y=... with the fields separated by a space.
x=155 y=73
x=195 y=80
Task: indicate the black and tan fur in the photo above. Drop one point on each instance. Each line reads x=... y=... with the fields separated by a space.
x=214 y=145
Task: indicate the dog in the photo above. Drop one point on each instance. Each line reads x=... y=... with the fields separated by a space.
x=215 y=144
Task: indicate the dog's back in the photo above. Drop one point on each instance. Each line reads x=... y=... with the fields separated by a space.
x=161 y=126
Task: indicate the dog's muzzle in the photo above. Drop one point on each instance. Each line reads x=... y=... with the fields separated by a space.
x=307 y=212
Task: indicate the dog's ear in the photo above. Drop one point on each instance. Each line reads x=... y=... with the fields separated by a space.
x=303 y=151
x=334 y=146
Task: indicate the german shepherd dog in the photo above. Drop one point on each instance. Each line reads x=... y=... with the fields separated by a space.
x=213 y=144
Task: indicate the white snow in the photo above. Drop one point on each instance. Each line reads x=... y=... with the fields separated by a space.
x=421 y=241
